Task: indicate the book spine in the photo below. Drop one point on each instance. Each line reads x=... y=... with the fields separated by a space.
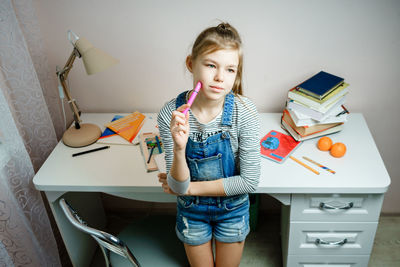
x=297 y=97
x=308 y=93
x=311 y=122
x=316 y=115
x=297 y=137
x=315 y=104
x=320 y=112
x=286 y=127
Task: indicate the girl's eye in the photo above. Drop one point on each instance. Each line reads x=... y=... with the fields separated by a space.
x=210 y=65
x=231 y=70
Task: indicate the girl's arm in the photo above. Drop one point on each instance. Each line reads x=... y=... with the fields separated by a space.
x=174 y=130
x=179 y=128
x=179 y=169
x=207 y=188
x=249 y=126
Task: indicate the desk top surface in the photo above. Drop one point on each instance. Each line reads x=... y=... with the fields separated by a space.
x=121 y=168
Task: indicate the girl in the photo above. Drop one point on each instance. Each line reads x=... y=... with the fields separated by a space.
x=212 y=152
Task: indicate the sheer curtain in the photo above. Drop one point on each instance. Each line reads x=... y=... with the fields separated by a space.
x=30 y=121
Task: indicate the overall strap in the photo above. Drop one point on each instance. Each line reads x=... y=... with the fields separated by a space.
x=228 y=110
x=181 y=99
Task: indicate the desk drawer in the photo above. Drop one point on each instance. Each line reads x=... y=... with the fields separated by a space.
x=327 y=261
x=336 y=207
x=334 y=238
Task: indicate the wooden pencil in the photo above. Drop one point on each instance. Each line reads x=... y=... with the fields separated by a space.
x=304 y=165
x=320 y=165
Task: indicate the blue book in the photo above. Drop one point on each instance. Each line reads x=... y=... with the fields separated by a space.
x=320 y=85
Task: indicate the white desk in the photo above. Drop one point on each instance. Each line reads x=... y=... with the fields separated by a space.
x=360 y=179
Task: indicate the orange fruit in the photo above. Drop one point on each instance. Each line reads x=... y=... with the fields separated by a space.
x=324 y=143
x=338 y=150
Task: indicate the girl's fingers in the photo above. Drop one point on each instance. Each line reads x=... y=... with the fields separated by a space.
x=180 y=134
x=166 y=189
x=180 y=128
x=162 y=175
x=179 y=120
x=169 y=191
x=177 y=113
x=162 y=178
x=182 y=108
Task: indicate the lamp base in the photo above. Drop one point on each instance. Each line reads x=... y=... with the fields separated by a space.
x=86 y=135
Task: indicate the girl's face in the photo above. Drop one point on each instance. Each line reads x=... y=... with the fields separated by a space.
x=217 y=72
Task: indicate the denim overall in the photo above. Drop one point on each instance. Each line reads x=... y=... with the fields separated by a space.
x=200 y=218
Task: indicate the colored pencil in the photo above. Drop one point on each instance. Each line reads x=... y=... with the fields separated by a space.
x=158 y=145
x=151 y=153
x=320 y=165
x=304 y=165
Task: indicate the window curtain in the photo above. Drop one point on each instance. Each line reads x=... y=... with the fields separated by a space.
x=30 y=122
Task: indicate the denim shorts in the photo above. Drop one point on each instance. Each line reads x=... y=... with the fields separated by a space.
x=199 y=219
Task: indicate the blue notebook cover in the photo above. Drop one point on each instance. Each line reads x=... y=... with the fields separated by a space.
x=320 y=84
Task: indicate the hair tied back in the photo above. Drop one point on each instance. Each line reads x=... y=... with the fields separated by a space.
x=223 y=27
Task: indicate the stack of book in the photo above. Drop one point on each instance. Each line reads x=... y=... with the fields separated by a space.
x=316 y=107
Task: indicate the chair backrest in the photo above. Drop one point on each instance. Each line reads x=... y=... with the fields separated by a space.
x=106 y=241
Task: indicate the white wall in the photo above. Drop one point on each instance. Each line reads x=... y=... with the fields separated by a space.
x=284 y=42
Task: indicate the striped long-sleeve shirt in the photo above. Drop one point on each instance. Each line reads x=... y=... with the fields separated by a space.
x=244 y=141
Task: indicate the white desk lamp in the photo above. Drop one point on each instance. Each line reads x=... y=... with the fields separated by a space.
x=94 y=60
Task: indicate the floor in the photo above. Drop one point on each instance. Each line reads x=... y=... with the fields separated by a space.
x=263 y=246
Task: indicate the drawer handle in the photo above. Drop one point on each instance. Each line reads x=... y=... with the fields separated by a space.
x=347 y=206
x=323 y=242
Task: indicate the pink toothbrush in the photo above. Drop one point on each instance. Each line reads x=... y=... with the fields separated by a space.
x=192 y=97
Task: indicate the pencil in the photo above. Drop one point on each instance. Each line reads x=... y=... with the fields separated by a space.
x=304 y=165
x=90 y=151
x=158 y=144
x=320 y=165
x=151 y=153
x=343 y=112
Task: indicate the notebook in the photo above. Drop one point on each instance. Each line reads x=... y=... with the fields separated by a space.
x=277 y=146
x=129 y=126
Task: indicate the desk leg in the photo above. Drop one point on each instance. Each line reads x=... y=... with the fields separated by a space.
x=80 y=246
x=285 y=223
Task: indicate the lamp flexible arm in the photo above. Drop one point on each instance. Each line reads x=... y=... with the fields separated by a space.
x=62 y=75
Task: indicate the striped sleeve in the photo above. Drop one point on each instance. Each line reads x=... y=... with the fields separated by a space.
x=249 y=160
x=164 y=120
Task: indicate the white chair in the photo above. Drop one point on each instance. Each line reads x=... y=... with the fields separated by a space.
x=152 y=239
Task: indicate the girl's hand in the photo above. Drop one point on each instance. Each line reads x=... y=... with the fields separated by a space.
x=162 y=178
x=180 y=128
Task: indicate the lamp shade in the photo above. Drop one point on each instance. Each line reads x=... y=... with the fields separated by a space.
x=94 y=59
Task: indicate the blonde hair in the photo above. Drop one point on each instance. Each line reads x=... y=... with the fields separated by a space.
x=223 y=36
